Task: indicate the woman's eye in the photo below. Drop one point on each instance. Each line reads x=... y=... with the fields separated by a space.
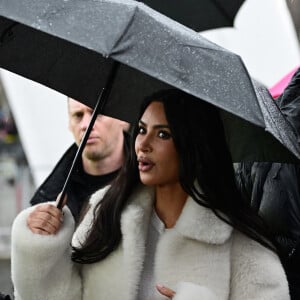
x=164 y=135
x=141 y=130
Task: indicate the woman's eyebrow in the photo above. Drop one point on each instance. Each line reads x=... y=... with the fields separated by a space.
x=158 y=126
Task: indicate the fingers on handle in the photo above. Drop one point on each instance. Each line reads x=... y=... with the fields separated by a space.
x=45 y=219
x=64 y=201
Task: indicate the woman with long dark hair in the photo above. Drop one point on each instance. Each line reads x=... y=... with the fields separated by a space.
x=171 y=226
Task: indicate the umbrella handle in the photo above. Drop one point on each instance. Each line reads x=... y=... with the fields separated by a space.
x=101 y=101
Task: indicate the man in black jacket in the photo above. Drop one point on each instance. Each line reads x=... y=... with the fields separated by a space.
x=273 y=190
x=101 y=158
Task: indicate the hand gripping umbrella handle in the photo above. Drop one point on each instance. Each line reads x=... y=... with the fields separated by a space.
x=99 y=107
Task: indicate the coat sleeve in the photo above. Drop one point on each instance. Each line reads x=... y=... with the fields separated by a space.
x=41 y=265
x=256 y=272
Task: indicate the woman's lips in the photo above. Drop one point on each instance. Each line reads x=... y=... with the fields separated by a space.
x=145 y=164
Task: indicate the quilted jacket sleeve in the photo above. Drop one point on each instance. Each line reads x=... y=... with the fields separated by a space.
x=41 y=265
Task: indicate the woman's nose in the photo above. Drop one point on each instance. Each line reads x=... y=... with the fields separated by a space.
x=145 y=144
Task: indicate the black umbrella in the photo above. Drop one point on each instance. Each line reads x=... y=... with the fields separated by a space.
x=199 y=15
x=65 y=45
x=77 y=46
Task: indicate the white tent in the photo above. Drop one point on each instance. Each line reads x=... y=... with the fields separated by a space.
x=41 y=118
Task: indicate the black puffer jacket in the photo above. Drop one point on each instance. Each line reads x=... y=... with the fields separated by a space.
x=273 y=189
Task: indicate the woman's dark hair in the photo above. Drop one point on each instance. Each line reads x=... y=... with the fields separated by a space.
x=204 y=160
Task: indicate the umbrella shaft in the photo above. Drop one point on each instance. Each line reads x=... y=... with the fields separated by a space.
x=101 y=101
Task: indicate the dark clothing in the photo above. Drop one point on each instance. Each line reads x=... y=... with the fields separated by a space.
x=273 y=189
x=4 y=297
x=82 y=185
x=289 y=104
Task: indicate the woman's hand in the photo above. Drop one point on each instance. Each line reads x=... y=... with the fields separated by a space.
x=45 y=219
x=165 y=291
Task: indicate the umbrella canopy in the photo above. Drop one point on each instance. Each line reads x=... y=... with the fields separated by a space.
x=62 y=39
x=199 y=15
x=71 y=46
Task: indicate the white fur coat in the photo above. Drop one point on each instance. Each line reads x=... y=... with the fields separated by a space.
x=201 y=258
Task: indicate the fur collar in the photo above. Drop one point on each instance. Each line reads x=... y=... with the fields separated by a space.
x=195 y=222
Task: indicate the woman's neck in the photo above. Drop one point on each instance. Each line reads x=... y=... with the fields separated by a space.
x=169 y=203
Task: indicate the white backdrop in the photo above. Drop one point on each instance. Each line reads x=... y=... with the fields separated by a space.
x=41 y=118
x=264 y=36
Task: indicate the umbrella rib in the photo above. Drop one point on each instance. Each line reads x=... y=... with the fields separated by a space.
x=288 y=133
x=123 y=33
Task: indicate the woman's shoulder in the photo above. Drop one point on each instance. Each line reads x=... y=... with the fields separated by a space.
x=98 y=195
x=245 y=245
x=252 y=257
x=257 y=269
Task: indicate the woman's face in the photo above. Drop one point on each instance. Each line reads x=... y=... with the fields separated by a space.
x=155 y=149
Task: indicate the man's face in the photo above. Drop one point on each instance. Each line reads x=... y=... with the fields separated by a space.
x=106 y=133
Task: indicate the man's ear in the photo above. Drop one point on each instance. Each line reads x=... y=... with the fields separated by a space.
x=125 y=125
